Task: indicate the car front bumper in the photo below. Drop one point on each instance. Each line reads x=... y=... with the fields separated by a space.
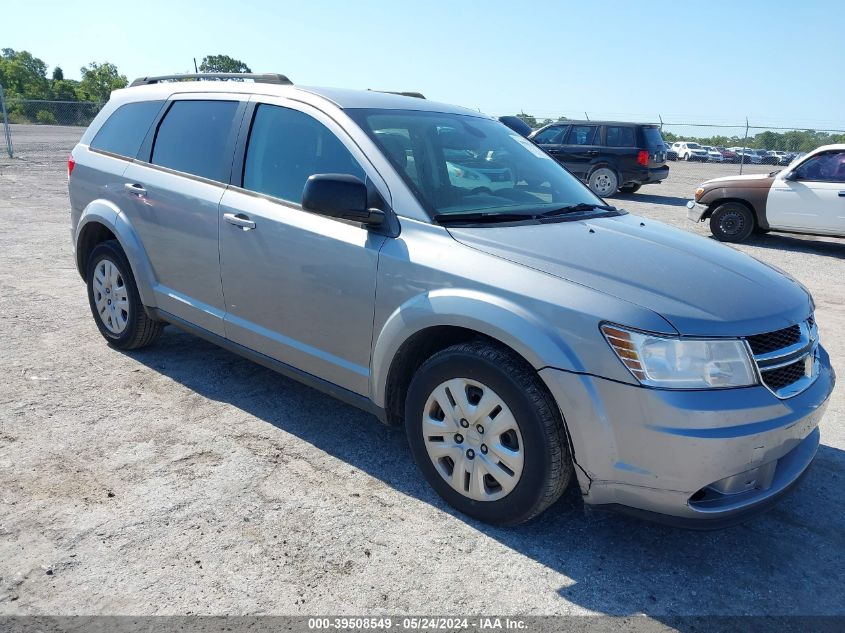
x=695 y=211
x=702 y=459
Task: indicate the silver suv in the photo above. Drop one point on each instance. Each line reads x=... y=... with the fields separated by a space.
x=427 y=264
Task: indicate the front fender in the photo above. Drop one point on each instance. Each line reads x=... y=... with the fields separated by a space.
x=107 y=214
x=493 y=316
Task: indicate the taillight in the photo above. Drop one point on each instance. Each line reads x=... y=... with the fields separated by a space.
x=642 y=158
x=70 y=165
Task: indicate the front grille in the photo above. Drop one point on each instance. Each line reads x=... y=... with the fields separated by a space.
x=777 y=379
x=771 y=341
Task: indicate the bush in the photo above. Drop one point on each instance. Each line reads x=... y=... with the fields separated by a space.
x=45 y=117
x=17 y=117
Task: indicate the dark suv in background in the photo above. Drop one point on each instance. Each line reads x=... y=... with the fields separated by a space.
x=607 y=155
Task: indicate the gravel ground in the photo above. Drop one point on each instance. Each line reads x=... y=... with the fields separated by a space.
x=182 y=479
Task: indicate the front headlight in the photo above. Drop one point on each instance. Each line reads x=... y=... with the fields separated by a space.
x=676 y=363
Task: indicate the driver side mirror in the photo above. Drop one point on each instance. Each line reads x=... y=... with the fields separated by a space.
x=340 y=196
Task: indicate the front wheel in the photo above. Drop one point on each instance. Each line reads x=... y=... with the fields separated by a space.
x=114 y=299
x=732 y=222
x=603 y=182
x=486 y=434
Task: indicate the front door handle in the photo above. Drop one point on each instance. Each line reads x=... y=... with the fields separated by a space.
x=135 y=189
x=842 y=194
x=239 y=219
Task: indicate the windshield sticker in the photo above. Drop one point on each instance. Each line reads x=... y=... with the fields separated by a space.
x=530 y=146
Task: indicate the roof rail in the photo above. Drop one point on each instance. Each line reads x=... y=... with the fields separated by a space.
x=261 y=78
x=416 y=95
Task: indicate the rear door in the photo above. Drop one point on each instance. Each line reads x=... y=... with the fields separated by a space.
x=620 y=146
x=581 y=146
x=814 y=201
x=174 y=190
x=299 y=287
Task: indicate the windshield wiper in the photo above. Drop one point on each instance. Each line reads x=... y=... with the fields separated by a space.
x=479 y=218
x=576 y=208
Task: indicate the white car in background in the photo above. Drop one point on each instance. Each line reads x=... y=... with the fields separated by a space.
x=713 y=155
x=690 y=151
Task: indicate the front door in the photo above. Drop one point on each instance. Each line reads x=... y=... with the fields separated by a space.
x=299 y=287
x=580 y=148
x=813 y=199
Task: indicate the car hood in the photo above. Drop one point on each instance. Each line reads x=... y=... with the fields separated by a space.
x=749 y=180
x=701 y=287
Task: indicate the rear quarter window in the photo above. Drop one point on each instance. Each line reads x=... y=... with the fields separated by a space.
x=124 y=131
x=653 y=137
x=193 y=138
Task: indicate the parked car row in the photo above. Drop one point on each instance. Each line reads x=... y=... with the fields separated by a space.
x=692 y=151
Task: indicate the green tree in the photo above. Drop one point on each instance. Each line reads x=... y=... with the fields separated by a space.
x=223 y=64
x=58 y=74
x=98 y=81
x=23 y=75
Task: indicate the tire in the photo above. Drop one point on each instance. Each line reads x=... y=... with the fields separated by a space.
x=688 y=157
x=732 y=222
x=630 y=188
x=603 y=182
x=520 y=414
x=123 y=323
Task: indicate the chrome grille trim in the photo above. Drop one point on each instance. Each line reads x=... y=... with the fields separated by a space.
x=805 y=349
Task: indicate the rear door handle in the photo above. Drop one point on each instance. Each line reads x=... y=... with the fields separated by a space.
x=135 y=189
x=842 y=194
x=239 y=219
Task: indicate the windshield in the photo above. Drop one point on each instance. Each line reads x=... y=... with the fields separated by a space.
x=458 y=164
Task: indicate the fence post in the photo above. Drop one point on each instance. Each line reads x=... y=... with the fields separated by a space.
x=7 y=133
x=744 y=144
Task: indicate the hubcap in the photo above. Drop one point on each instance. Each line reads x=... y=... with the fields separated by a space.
x=732 y=223
x=110 y=296
x=473 y=439
x=603 y=183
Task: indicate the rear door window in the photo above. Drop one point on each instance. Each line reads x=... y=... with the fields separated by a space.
x=286 y=147
x=124 y=131
x=619 y=136
x=193 y=138
x=581 y=135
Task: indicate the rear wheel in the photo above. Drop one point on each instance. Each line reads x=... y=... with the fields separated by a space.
x=732 y=222
x=114 y=299
x=603 y=182
x=634 y=188
x=486 y=434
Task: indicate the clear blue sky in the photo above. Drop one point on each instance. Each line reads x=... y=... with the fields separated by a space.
x=777 y=62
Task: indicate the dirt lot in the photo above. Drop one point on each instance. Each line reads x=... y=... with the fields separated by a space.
x=183 y=479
